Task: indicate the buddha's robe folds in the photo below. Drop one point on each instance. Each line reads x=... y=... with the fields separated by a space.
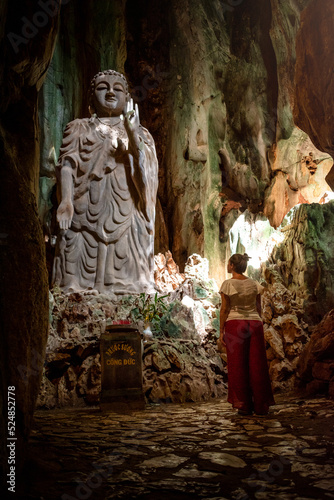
x=110 y=244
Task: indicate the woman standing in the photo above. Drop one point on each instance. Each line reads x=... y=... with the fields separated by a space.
x=249 y=387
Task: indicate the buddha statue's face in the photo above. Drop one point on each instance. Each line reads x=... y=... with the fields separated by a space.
x=109 y=95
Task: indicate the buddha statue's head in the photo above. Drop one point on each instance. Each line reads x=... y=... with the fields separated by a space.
x=108 y=93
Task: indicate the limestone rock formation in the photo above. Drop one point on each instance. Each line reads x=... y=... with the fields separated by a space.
x=285 y=330
x=23 y=283
x=316 y=362
x=181 y=371
x=313 y=103
x=182 y=358
x=301 y=180
x=304 y=259
x=196 y=295
x=166 y=273
x=175 y=369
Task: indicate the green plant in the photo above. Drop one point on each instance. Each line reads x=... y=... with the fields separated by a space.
x=149 y=309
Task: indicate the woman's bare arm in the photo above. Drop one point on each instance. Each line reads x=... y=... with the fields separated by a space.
x=224 y=312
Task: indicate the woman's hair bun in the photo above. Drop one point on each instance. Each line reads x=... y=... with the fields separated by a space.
x=239 y=262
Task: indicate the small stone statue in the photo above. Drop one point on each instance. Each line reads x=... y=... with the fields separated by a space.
x=107 y=177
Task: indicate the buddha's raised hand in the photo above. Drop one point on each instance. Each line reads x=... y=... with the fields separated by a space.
x=131 y=116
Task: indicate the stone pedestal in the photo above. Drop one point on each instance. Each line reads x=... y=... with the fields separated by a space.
x=121 y=363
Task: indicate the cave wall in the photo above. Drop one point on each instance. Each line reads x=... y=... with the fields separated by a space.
x=305 y=261
x=232 y=144
x=26 y=53
x=314 y=102
x=215 y=86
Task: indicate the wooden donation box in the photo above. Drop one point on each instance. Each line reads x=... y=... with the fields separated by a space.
x=121 y=362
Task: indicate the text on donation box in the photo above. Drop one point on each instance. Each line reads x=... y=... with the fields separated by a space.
x=121 y=361
x=122 y=364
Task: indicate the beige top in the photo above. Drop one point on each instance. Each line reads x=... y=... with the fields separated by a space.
x=242 y=295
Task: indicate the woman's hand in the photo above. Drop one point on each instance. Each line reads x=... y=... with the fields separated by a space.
x=221 y=344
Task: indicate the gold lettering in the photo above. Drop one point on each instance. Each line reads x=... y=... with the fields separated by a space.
x=114 y=362
x=129 y=361
x=120 y=347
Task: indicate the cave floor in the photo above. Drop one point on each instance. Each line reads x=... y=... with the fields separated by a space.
x=192 y=450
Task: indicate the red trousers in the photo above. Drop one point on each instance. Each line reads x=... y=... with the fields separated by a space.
x=249 y=386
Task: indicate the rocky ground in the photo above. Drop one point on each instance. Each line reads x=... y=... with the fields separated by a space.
x=193 y=450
